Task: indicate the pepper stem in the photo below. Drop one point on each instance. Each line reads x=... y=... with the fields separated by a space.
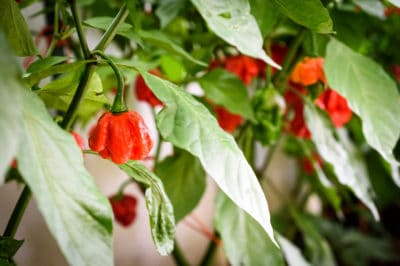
x=119 y=103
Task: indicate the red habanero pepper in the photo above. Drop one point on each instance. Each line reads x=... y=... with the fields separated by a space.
x=121 y=136
x=124 y=209
x=144 y=93
x=309 y=71
x=336 y=106
x=227 y=120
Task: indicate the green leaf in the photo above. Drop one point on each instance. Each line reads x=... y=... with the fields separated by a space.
x=395 y=2
x=371 y=94
x=266 y=14
x=224 y=88
x=9 y=246
x=58 y=94
x=51 y=163
x=190 y=126
x=6 y=262
x=291 y=253
x=160 y=39
x=16 y=31
x=311 y=14
x=10 y=107
x=172 y=68
x=126 y=30
x=42 y=64
x=160 y=209
x=168 y=10
x=34 y=78
x=232 y=21
x=184 y=180
x=318 y=248
x=243 y=238
x=372 y=7
x=348 y=165
x=132 y=7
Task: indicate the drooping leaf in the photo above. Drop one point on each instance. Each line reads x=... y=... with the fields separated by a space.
x=243 y=238
x=160 y=209
x=291 y=253
x=232 y=21
x=224 y=88
x=184 y=180
x=266 y=14
x=190 y=126
x=77 y=214
x=372 y=7
x=58 y=94
x=45 y=63
x=9 y=246
x=16 y=31
x=10 y=107
x=371 y=94
x=311 y=14
x=348 y=165
x=162 y=40
x=317 y=247
x=168 y=10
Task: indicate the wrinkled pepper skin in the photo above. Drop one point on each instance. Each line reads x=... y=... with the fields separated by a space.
x=121 y=136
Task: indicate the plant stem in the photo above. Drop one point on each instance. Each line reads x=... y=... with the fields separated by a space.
x=112 y=29
x=290 y=57
x=79 y=30
x=119 y=103
x=178 y=256
x=54 y=40
x=208 y=257
x=18 y=212
x=159 y=143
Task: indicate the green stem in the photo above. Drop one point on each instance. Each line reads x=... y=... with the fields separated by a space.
x=79 y=30
x=208 y=257
x=112 y=29
x=55 y=38
x=119 y=103
x=178 y=256
x=18 y=212
x=159 y=143
x=280 y=78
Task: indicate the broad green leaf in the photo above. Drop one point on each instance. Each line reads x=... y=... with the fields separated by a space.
x=126 y=30
x=224 y=88
x=51 y=163
x=160 y=39
x=291 y=253
x=172 y=68
x=266 y=14
x=371 y=94
x=243 y=238
x=16 y=31
x=232 y=21
x=168 y=10
x=190 y=126
x=42 y=64
x=160 y=209
x=311 y=14
x=318 y=248
x=34 y=78
x=58 y=94
x=395 y=2
x=10 y=107
x=184 y=180
x=9 y=246
x=372 y=7
x=348 y=165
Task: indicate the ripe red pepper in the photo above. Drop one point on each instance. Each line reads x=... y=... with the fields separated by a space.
x=226 y=120
x=336 y=106
x=309 y=71
x=121 y=136
x=246 y=68
x=124 y=208
x=144 y=93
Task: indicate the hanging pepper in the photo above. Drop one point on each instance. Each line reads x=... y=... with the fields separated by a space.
x=143 y=92
x=124 y=208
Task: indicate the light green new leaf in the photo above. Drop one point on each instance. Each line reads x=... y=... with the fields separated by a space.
x=160 y=209
x=371 y=94
x=395 y=2
x=224 y=88
x=184 y=180
x=14 y=26
x=291 y=253
x=168 y=10
x=348 y=166
x=51 y=163
x=311 y=14
x=232 y=21
x=42 y=64
x=10 y=106
x=190 y=126
x=243 y=238
x=58 y=94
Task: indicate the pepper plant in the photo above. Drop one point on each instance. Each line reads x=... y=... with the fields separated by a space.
x=317 y=80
